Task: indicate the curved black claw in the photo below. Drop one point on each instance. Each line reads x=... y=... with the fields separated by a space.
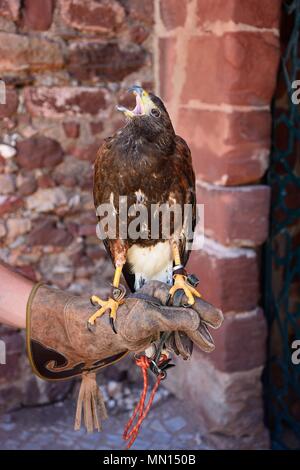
x=91 y=327
x=177 y=298
x=193 y=280
x=168 y=366
x=176 y=301
x=112 y=324
x=162 y=368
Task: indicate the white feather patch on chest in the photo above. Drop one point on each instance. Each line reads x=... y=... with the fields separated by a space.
x=151 y=263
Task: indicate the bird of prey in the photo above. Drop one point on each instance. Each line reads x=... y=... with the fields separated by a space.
x=150 y=165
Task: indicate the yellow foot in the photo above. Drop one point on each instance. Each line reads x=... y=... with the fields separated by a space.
x=181 y=283
x=109 y=304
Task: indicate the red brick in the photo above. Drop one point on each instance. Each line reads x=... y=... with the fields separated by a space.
x=240 y=342
x=10 y=397
x=10 y=107
x=29 y=53
x=10 y=9
x=96 y=127
x=14 y=342
x=24 y=120
x=10 y=204
x=229 y=277
x=140 y=11
x=8 y=124
x=87 y=152
x=28 y=272
x=167 y=67
x=2 y=164
x=73 y=172
x=59 y=102
x=104 y=61
x=72 y=129
x=45 y=181
x=173 y=13
x=106 y=16
x=227 y=148
x=37 y=14
x=139 y=33
x=260 y=13
x=232 y=68
x=228 y=406
x=26 y=184
x=11 y=371
x=39 y=152
x=44 y=230
x=236 y=216
x=87 y=230
x=7 y=184
x=95 y=252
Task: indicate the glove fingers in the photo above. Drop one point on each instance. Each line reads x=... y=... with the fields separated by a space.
x=181 y=342
x=171 y=345
x=184 y=344
x=185 y=320
x=208 y=313
x=202 y=338
x=176 y=319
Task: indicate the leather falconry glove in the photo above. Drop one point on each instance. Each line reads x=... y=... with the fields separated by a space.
x=60 y=346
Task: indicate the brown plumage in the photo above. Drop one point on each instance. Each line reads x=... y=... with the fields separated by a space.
x=149 y=164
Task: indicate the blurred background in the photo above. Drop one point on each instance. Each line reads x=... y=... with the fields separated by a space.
x=225 y=70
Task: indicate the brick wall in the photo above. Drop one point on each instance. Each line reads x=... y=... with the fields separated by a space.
x=216 y=66
x=65 y=68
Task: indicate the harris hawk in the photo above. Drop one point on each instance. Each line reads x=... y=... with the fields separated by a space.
x=150 y=165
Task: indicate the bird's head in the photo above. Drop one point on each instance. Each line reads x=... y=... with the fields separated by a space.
x=149 y=114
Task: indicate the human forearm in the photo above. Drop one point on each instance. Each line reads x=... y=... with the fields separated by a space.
x=14 y=293
x=61 y=345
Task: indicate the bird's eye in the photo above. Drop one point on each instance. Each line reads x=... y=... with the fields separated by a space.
x=155 y=112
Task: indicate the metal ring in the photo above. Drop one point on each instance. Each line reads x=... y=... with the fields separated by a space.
x=163 y=375
x=177 y=267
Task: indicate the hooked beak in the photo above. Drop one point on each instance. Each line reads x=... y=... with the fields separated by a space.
x=143 y=103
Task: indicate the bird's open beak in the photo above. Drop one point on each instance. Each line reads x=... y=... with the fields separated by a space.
x=143 y=103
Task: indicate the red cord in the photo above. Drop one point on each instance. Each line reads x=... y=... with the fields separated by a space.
x=131 y=434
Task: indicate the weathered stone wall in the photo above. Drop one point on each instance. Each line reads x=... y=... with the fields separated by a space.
x=66 y=64
x=216 y=68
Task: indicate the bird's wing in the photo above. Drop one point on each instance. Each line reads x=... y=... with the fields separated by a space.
x=103 y=170
x=103 y=157
x=184 y=168
x=184 y=189
x=181 y=163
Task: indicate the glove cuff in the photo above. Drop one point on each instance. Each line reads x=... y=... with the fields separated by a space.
x=49 y=349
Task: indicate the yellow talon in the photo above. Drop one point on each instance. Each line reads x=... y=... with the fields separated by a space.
x=109 y=304
x=112 y=303
x=181 y=283
x=96 y=300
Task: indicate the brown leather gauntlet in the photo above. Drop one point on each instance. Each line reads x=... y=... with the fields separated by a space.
x=60 y=346
x=58 y=343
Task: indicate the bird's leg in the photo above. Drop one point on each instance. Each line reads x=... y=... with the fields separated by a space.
x=181 y=281
x=112 y=303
